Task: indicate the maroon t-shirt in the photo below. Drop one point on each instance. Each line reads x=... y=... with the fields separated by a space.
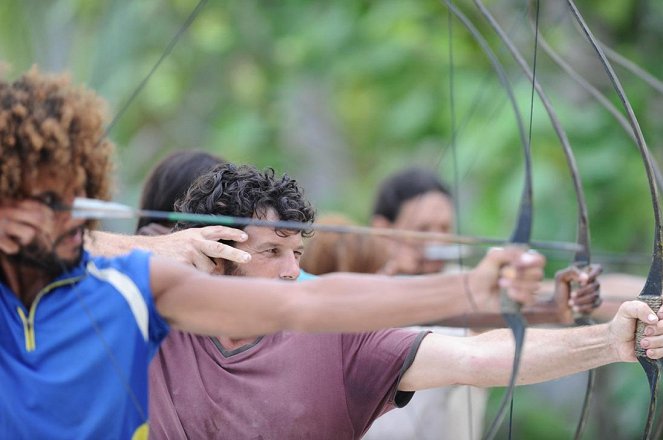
x=284 y=386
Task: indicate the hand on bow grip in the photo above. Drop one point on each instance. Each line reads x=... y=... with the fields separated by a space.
x=514 y=269
x=622 y=331
x=577 y=292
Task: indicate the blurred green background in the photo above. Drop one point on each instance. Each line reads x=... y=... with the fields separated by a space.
x=341 y=93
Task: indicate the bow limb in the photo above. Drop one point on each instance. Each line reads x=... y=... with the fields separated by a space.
x=630 y=66
x=601 y=98
x=521 y=234
x=651 y=292
x=582 y=257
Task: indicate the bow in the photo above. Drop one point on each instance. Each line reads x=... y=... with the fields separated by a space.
x=582 y=257
x=651 y=292
x=522 y=231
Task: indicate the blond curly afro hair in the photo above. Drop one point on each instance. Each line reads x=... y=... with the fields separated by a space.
x=48 y=124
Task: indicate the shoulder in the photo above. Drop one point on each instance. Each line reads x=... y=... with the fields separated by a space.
x=123 y=262
x=393 y=340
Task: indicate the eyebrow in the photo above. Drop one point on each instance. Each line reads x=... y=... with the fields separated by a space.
x=273 y=244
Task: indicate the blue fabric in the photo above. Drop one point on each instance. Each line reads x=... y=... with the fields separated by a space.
x=303 y=276
x=86 y=376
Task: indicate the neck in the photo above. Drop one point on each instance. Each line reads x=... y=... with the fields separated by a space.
x=24 y=281
x=232 y=344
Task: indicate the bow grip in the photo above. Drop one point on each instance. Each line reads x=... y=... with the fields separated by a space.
x=507 y=305
x=580 y=318
x=654 y=302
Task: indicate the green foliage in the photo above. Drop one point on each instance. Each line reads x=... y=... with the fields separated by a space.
x=340 y=94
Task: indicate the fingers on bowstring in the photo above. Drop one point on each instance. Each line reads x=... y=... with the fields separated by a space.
x=214 y=249
x=223 y=233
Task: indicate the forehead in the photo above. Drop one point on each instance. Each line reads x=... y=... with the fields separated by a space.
x=430 y=208
x=259 y=235
x=262 y=236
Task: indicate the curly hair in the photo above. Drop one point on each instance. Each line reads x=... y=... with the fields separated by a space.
x=244 y=191
x=46 y=123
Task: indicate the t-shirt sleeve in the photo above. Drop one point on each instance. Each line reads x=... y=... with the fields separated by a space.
x=373 y=365
x=137 y=264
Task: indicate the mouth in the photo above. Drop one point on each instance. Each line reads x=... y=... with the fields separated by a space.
x=74 y=237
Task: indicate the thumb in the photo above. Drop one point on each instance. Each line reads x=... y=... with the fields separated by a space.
x=638 y=310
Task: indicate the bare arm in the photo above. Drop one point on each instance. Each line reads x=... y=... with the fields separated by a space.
x=575 y=290
x=486 y=360
x=243 y=307
x=194 y=246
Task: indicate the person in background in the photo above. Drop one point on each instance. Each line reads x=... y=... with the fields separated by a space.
x=167 y=182
x=328 y=252
x=416 y=199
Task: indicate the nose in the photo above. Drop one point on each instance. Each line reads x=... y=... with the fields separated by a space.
x=290 y=268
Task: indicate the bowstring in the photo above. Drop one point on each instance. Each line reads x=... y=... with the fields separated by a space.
x=456 y=201
x=529 y=143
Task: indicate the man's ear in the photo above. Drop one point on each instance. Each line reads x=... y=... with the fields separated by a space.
x=380 y=221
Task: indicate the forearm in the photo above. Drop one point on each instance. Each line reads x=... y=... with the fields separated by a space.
x=543 y=312
x=110 y=245
x=333 y=303
x=486 y=360
x=547 y=354
x=367 y=302
x=242 y=307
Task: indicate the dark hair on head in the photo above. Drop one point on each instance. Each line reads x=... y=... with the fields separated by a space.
x=48 y=125
x=171 y=178
x=403 y=186
x=245 y=191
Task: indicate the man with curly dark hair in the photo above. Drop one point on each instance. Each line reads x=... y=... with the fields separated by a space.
x=310 y=385
x=244 y=191
x=77 y=332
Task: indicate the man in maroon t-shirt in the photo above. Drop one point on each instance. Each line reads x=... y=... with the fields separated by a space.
x=286 y=385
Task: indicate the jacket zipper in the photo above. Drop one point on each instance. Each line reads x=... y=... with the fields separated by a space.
x=29 y=320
